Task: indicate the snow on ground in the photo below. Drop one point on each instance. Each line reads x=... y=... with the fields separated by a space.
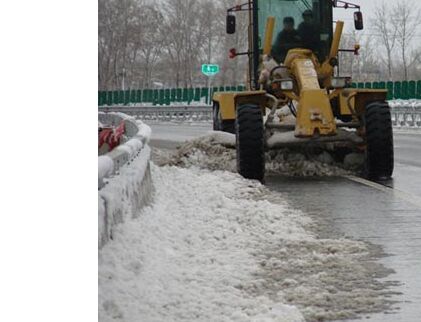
x=216 y=151
x=190 y=256
x=216 y=247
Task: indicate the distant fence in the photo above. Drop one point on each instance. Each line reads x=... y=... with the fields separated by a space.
x=396 y=90
x=162 y=96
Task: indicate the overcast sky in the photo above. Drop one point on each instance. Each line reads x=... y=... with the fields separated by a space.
x=368 y=8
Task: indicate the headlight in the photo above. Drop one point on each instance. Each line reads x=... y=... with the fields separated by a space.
x=340 y=82
x=287 y=84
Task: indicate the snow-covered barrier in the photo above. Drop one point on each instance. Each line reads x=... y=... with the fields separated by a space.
x=178 y=113
x=124 y=178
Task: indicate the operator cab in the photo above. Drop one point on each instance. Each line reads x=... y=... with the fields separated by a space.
x=312 y=23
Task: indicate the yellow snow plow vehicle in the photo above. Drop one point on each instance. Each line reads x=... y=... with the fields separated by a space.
x=295 y=96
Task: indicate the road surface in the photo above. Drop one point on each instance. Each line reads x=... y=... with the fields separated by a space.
x=386 y=214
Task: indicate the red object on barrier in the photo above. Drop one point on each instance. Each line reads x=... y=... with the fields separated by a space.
x=119 y=131
x=111 y=136
x=103 y=135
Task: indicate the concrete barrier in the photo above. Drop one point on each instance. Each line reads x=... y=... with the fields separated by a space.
x=124 y=178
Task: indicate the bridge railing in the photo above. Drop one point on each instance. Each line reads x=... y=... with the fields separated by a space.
x=405 y=113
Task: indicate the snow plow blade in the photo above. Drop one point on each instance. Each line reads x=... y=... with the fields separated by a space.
x=343 y=138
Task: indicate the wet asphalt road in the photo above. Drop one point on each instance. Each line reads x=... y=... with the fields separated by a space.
x=386 y=214
x=378 y=216
x=407 y=174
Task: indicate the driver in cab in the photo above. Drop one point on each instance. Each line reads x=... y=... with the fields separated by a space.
x=309 y=31
x=287 y=39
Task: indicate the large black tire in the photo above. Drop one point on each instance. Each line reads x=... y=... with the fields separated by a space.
x=219 y=124
x=249 y=134
x=228 y=126
x=379 y=157
x=215 y=117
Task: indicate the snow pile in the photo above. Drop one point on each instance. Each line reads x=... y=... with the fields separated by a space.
x=217 y=247
x=215 y=151
x=292 y=163
x=190 y=257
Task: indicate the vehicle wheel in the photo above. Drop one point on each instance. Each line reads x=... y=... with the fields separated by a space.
x=222 y=125
x=379 y=137
x=228 y=126
x=215 y=116
x=250 y=142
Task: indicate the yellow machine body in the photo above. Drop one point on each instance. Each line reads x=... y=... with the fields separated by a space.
x=314 y=112
x=228 y=101
x=312 y=90
x=295 y=99
x=270 y=25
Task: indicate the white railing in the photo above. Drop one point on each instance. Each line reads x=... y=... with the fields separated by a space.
x=406 y=113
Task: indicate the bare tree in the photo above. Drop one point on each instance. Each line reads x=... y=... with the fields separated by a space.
x=150 y=42
x=406 y=19
x=184 y=38
x=146 y=42
x=384 y=26
x=143 y=41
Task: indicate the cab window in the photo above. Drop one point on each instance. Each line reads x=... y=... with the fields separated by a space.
x=305 y=15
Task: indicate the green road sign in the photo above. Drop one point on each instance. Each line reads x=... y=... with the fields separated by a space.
x=210 y=70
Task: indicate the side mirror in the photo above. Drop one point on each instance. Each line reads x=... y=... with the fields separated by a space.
x=358 y=20
x=230 y=23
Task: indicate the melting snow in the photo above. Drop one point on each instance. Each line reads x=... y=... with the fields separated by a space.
x=190 y=256
x=215 y=151
x=217 y=247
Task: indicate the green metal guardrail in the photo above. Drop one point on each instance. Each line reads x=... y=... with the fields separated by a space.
x=161 y=96
x=396 y=90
